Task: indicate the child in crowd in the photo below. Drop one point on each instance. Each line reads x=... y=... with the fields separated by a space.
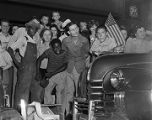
x=44 y=21
x=56 y=19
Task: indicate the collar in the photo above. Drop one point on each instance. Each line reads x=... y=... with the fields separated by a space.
x=5 y=35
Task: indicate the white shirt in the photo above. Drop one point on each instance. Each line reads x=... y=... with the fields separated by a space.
x=18 y=33
x=62 y=37
x=21 y=44
x=5 y=59
x=134 y=45
x=4 y=39
x=41 y=49
x=22 y=32
x=99 y=47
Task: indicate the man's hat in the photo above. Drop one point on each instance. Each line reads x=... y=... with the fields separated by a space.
x=65 y=23
x=33 y=23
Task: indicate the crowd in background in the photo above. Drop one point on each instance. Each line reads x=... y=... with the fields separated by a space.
x=39 y=57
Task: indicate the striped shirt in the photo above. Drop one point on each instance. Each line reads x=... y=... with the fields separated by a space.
x=54 y=61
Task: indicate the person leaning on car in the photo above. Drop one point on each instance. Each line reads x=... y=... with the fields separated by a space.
x=140 y=44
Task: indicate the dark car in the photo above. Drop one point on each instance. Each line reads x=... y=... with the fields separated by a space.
x=119 y=87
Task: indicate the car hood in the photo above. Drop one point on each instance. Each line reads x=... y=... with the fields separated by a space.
x=107 y=62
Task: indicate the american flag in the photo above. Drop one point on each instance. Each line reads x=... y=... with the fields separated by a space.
x=114 y=30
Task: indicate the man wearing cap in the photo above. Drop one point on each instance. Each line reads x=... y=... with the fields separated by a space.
x=27 y=67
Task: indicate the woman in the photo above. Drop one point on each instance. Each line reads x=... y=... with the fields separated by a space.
x=92 y=28
x=55 y=31
x=46 y=37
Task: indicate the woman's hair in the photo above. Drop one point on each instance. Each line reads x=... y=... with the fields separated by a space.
x=58 y=31
x=93 y=22
x=42 y=32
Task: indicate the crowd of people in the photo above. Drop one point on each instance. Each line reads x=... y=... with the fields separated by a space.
x=41 y=57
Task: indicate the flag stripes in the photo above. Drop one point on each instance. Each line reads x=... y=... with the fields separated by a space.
x=114 y=31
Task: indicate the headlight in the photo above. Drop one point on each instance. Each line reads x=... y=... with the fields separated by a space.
x=117 y=80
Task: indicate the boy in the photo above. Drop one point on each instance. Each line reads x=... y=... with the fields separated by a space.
x=56 y=19
x=102 y=43
x=56 y=73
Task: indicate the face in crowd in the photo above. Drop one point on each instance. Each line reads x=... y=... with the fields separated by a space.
x=3 y=45
x=5 y=27
x=140 y=33
x=124 y=33
x=93 y=28
x=74 y=30
x=54 y=31
x=31 y=31
x=47 y=36
x=101 y=34
x=14 y=28
x=55 y=16
x=45 y=20
x=56 y=47
x=83 y=26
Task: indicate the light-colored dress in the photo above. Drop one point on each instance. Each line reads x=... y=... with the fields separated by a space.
x=5 y=59
x=41 y=48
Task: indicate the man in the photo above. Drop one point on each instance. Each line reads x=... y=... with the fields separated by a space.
x=84 y=30
x=27 y=67
x=77 y=47
x=57 y=64
x=140 y=44
x=102 y=42
x=4 y=34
